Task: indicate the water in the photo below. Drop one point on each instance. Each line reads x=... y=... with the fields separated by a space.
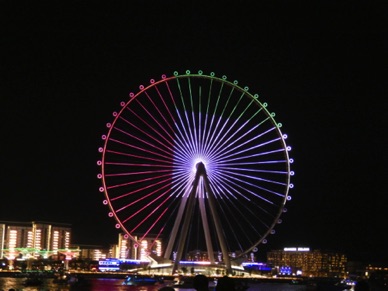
x=104 y=284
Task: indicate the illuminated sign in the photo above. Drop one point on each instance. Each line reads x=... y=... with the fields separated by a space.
x=285 y=270
x=114 y=264
x=255 y=265
x=299 y=249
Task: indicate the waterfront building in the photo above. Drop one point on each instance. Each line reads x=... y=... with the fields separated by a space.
x=147 y=247
x=36 y=239
x=305 y=262
x=378 y=275
x=93 y=252
x=125 y=249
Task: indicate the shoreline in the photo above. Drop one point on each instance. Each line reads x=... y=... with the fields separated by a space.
x=123 y=275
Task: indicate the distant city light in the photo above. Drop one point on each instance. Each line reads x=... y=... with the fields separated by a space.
x=195 y=262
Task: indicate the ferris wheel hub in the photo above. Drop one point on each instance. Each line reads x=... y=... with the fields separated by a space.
x=200 y=168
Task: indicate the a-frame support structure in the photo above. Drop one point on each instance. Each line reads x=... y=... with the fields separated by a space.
x=193 y=193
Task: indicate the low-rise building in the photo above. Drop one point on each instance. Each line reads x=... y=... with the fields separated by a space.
x=306 y=262
x=36 y=239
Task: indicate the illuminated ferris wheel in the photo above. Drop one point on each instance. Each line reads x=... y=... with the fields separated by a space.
x=196 y=161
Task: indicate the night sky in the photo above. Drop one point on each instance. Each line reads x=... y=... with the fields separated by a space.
x=320 y=65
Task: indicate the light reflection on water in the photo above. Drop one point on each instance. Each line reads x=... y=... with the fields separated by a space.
x=103 y=284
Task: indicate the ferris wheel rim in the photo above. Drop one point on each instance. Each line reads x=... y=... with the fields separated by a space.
x=188 y=74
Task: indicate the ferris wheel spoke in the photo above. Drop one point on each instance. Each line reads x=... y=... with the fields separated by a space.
x=142 y=210
x=255 y=179
x=213 y=127
x=241 y=184
x=200 y=145
x=178 y=143
x=238 y=215
x=150 y=136
x=142 y=149
x=160 y=114
x=143 y=157
x=167 y=109
x=139 y=183
x=236 y=171
x=222 y=191
x=204 y=121
x=251 y=214
x=232 y=202
x=141 y=188
x=152 y=117
x=248 y=215
x=233 y=187
x=156 y=238
x=140 y=199
x=207 y=138
x=180 y=179
x=147 y=217
x=180 y=137
x=178 y=189
x=153 y=129
x=195 y=128
x=147 y=169
x=154 y=205
x=249 y=151
x=252 y=145
x=143 y=142
x=237 y=177
x=234 y=236
x=179 y=157
x=211 y=143
x=185 y=150
x=153 y=225
x=186 y=123
x=120 y=174
x=194 y=121
x=226 y=143
x=233 y=162
x=232 y=128
x=221 y=119
x=259 y=154
x=221 y=134
x=183 y=147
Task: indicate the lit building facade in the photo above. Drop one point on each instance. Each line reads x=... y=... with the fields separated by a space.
x=125 y=249
x=306 y=262
x=94 y=252
x=33 y=239
x=147 y=247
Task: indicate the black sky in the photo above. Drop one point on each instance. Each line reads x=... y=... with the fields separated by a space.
x=321 y=66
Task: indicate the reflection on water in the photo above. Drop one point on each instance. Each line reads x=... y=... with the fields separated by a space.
x=95 y=284
x=116 y=284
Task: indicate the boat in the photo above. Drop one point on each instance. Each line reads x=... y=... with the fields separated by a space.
x=141 y=280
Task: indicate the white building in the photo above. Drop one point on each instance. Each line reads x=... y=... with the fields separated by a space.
x=33 y=239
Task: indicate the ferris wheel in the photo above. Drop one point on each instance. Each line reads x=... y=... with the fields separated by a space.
x=196 y=161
